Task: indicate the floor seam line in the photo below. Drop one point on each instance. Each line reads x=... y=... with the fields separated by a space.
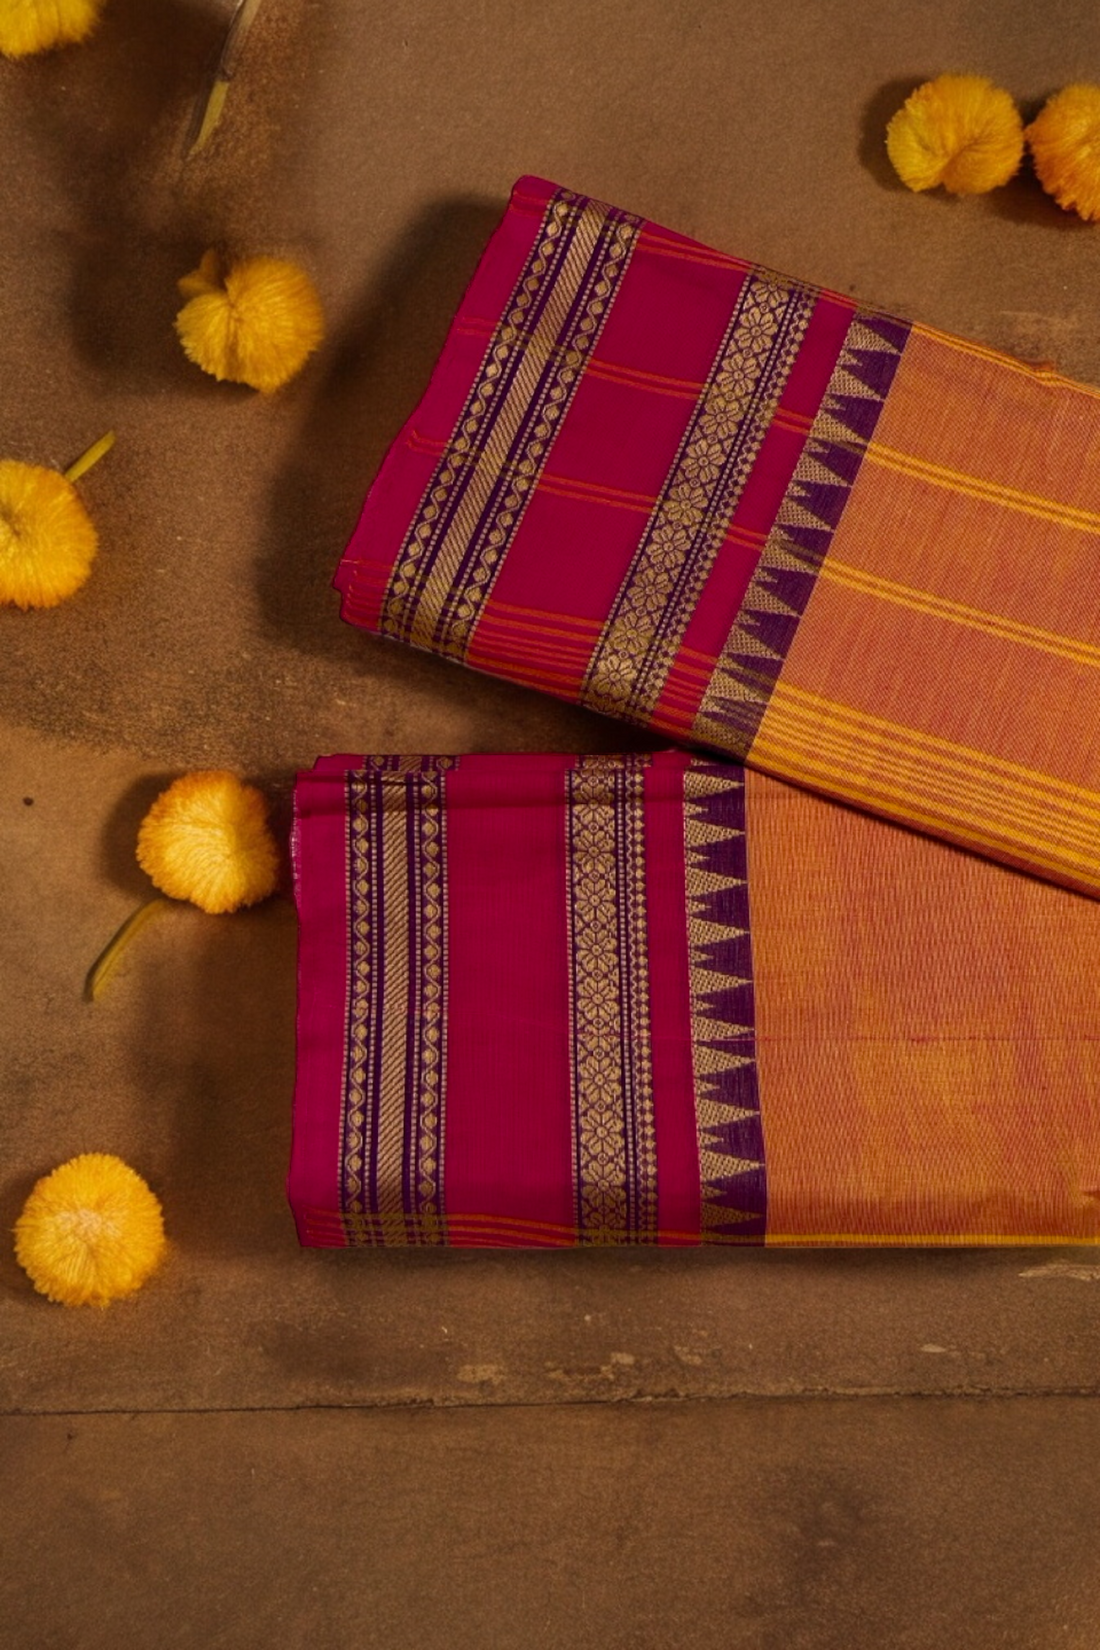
x=633 y=1401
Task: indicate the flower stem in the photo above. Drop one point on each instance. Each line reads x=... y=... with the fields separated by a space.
x=92 y=456
x=108 y=959
x=211 y=115
x=209 y=112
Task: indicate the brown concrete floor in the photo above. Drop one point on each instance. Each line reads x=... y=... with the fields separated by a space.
x=758 y=1450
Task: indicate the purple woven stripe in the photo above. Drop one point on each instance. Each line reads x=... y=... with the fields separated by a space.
x=779 y=591
x=557 y=230
x=633 y=1037
x=414 y=954
x=673 y=560
x=365 y=894
x=727 y=1087
x=614 y=1155
x=750 y=434
x=526 y=449
x=425 y=1082
x=517 y=350
x=391 y=1139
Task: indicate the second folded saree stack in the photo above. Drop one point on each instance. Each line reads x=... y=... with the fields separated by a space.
x=549 y=1000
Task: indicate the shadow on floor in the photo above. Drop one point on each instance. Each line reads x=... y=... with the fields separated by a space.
x=118 y=854
x=213 y=1059
x=110 y=120
x=377 y=368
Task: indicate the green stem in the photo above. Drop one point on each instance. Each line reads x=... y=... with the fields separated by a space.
x=108 y=959
x=92 y=456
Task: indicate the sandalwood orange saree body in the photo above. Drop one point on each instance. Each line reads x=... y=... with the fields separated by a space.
x=761 y=518
x=550 y=1000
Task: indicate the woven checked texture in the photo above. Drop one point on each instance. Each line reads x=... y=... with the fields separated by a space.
x=689 y=492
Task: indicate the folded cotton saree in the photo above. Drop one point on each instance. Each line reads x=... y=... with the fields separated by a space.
x=551 y=1000
x=762 y=518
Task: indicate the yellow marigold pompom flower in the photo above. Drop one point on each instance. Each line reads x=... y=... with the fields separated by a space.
x=255 y=325
x=1064 y=139
x=28 y=26
x=959 y=130
x=206 y=839
x=90 y=1232
x=47 y=540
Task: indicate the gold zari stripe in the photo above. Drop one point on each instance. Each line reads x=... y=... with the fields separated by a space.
x=394 y=1088
x=975 y=618
x=930 y=782
x=690 y=520
x=614 y=1144
x=986 y=492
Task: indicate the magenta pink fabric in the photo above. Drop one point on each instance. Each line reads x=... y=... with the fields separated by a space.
x=495 y=1034
x=679 y=325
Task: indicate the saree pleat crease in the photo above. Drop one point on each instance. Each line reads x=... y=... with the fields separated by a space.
x=680 y=998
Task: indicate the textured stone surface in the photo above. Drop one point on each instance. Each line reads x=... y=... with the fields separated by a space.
x=754 y=1525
